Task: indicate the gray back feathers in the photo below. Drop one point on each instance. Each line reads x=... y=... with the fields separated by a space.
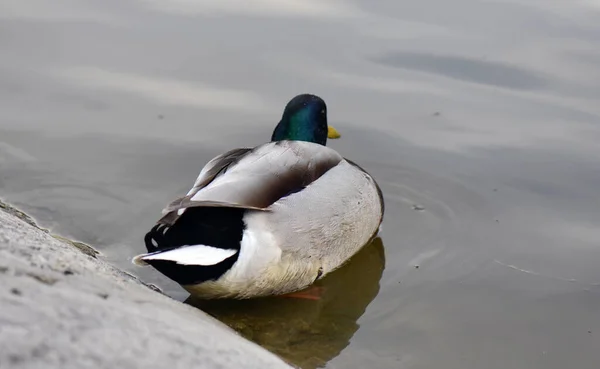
x=256 y=178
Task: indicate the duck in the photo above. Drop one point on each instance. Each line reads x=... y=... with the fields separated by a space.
x=268 y=220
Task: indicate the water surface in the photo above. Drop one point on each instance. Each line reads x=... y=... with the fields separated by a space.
x=479 y=119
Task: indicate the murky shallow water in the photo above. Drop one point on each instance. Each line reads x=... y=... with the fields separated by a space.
x=484 y=114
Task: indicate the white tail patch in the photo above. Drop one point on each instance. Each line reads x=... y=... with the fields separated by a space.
x=188 y=255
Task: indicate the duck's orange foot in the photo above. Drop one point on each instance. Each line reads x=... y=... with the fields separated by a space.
x=311 y=293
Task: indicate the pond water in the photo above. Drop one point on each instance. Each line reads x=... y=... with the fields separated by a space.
x=479 y=119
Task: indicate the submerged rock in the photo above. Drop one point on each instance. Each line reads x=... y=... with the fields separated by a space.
x=64 y=307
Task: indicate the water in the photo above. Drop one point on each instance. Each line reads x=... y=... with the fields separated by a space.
x=479 y=119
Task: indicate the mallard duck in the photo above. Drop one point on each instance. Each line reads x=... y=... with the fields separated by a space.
x=268 y=220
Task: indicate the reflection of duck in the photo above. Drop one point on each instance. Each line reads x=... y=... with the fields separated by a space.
x=268 y=220
x=308 y=333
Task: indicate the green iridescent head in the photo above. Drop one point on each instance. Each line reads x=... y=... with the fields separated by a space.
x=305 y=119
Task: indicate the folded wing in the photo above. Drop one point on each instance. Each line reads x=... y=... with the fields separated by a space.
x=256 y=178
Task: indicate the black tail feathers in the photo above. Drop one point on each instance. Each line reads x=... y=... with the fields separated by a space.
x=210 y=226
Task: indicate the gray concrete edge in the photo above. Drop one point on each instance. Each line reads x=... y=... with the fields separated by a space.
x=65 y=307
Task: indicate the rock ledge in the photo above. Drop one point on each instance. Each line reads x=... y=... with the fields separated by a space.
x=64 y=307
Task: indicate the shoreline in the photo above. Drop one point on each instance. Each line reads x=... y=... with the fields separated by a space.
x=66 y=307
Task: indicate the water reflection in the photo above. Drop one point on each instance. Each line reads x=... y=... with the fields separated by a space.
x=308 y=333
x=466 y=69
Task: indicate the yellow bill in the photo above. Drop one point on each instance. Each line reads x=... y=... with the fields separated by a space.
x=333 y=133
